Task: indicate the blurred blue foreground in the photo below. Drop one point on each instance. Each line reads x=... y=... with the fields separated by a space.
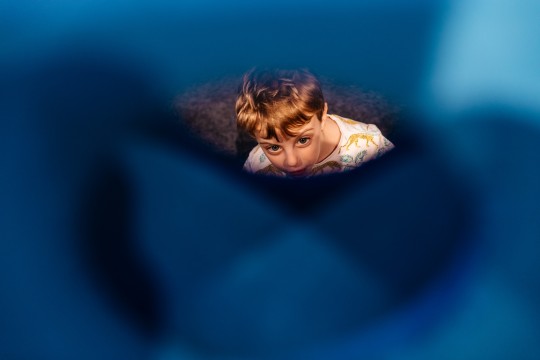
x=123 y=237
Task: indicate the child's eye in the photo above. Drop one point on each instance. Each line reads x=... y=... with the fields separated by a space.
x=303 y=140
x=273 y=148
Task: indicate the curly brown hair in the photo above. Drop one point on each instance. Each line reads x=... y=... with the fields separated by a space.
x=270 y=100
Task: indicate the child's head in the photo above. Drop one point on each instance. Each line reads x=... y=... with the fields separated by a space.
x=278 y=101
x=285 y=111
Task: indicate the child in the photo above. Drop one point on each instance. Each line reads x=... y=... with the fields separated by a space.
x=286 y=113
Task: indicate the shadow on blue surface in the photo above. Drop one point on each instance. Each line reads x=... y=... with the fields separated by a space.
x=122 y=237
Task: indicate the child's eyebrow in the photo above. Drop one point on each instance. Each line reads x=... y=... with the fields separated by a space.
x=305 y=131
x=277 y=142
x=296 y=136
x=266 y=143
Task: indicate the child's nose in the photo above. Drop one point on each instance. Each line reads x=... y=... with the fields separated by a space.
x=291 y=159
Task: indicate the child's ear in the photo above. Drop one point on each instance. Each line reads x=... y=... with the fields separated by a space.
x=323 y=118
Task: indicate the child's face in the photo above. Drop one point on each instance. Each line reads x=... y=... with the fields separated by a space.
x=296 y=155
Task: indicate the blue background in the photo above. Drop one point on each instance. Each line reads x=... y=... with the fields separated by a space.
x=123 y=238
